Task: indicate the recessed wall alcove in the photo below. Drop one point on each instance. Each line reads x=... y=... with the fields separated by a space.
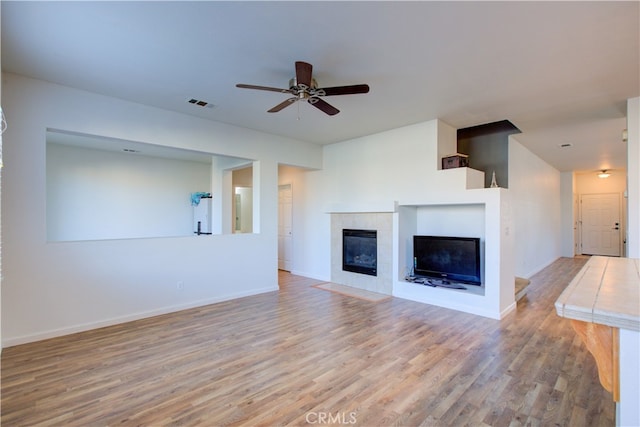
x=484 y=213
x=105 y=188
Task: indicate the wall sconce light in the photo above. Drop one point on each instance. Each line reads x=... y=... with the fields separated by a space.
x=604 y=174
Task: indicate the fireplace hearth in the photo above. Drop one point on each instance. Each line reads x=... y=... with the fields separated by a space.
x=360 y=251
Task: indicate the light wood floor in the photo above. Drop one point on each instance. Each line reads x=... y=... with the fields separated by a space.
x=305 y=356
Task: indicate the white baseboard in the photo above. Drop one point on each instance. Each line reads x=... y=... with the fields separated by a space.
x=508 y=310
x=53 y=333
x=538 y=269
x=451 y=305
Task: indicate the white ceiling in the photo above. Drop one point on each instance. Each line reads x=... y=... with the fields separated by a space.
x=559 y=71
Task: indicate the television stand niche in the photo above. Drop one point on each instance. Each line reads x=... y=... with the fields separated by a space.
x=482 y=212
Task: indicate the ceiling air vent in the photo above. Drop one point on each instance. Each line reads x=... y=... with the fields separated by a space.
x=200 y=103
x=566 y=145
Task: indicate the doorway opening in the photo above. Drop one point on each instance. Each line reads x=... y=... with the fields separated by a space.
x=285 y=227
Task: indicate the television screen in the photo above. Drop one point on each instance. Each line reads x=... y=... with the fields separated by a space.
x=454 y=259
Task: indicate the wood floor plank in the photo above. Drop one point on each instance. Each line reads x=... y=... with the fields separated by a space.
x=304 y=356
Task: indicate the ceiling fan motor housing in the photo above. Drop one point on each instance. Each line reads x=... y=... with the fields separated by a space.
x=302 y=91
x=293 y=84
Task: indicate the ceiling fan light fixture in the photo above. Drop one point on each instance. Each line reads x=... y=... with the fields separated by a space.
x=604 y=174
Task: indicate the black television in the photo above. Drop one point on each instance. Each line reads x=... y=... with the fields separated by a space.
x=451 y=259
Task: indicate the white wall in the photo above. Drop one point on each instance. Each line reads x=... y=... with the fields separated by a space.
x=97 y=194
x=568 y=215
x=400 y=164
x=1 y=186
x=633 y=177
x=436 y=220
x=52 y=289
x=590 y=183
x=536 y=199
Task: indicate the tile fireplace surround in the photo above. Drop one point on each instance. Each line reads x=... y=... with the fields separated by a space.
x=383 y=224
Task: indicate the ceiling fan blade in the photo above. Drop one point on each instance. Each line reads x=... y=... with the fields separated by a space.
x=303 y=73
x=283 y=104
x=344 y=90
x=323 y=106
x=271 y=89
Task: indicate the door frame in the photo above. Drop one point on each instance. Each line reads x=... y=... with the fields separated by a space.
x=621 y=219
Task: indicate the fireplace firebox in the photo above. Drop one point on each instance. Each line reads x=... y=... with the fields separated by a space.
x=360 y=251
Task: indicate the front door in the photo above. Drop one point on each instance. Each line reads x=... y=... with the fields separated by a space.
x=600 y=217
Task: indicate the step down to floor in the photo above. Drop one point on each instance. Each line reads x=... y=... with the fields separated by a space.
x=521 y=287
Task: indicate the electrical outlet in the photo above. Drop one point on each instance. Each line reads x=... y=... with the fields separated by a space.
x=180 y=285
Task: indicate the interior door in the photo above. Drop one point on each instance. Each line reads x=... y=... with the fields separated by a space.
x=576 y=224
x=285 y=234
x=600 y=218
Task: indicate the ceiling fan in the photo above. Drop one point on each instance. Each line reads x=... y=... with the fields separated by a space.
x=304 y=87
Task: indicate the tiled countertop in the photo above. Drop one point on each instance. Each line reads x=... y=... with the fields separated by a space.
x=605 y=291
